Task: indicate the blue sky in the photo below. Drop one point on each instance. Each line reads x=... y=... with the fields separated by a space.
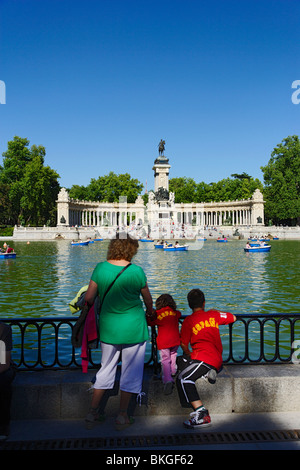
x=100 y=82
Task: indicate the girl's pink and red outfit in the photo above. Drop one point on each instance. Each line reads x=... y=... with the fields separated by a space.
x=168 y=340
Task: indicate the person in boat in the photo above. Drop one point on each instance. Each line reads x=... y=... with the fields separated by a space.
x=168 y=339
x=248 y=245
x=176 y=244
x=9 y=249
x=200 y=330
x=122 y=326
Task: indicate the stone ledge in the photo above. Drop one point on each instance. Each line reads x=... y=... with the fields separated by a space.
x=241 y=389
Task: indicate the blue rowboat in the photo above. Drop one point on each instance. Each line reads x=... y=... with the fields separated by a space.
x=275 y=238
x=98 y=239
x=201 y=239
x=176 y=248
x=7 y=255
x=222 y=240
x=80 y=243
x=159 y=245
x=258 y=249
x=146 y=240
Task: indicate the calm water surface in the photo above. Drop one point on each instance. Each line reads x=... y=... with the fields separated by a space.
x=46 y=276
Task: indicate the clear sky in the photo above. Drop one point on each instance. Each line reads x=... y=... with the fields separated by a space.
x=100 y=82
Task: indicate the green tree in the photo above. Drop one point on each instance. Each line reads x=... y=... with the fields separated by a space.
x=184 y=189
x=15 y=160
x=39 y=193
x=282 y=183
x=79 y=192
x=227 y=189
x=32 y=188
x=108 y=188
x=5 y=205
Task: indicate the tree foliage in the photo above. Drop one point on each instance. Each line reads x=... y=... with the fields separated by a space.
x=31 y=188
x=282 y=183
x=108 y=189
x=228 y=189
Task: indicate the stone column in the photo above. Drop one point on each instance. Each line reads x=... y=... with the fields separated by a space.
x=63 y=202
x=257 y=208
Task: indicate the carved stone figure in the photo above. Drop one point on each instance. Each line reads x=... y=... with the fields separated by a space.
x=151 y=197
x=172 y=198
x=162 y=194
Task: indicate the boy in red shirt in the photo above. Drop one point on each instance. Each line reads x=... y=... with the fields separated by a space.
x=201 y=331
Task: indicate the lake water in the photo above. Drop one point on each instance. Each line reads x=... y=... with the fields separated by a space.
x=46 y=276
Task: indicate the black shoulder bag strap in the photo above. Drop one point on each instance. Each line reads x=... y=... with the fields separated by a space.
x=109 y=287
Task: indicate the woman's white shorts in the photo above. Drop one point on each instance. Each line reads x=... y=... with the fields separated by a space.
x=132 y=366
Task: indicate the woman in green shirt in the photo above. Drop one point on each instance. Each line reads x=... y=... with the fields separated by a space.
x=122 y=323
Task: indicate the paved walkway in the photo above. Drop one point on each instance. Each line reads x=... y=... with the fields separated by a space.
x=262 y=431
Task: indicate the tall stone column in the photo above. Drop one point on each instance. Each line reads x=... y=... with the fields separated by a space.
x=257 y=208
x=63 y=202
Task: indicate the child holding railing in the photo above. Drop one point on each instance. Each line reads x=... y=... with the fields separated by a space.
x=168 y=338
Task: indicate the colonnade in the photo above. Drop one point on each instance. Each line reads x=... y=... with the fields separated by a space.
x=217 y=217
x=212 y=217
x=72 y=212
x=99 y=218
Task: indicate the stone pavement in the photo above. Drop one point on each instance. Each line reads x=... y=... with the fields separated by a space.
x=48 y=412
x=243 y=431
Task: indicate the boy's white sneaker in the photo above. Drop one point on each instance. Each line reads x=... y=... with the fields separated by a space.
x=199 y=419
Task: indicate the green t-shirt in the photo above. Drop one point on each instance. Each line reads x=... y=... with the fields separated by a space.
x=122 y=317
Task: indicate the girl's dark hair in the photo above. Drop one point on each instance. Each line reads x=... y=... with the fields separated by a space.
x=165 y=300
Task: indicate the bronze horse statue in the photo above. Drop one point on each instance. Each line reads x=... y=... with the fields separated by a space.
x=161 y=147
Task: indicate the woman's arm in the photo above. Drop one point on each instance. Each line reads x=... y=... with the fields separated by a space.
x=147 y=301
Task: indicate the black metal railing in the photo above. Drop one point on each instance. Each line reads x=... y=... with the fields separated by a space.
x=253 y=339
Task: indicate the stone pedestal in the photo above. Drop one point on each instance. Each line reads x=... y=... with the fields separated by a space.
x=161 y=173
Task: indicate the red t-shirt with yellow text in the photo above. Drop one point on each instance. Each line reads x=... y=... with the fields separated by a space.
x=201 y=331
x=168 y=327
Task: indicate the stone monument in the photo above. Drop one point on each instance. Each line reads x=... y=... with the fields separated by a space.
x=161 y=172
x=161 y=202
